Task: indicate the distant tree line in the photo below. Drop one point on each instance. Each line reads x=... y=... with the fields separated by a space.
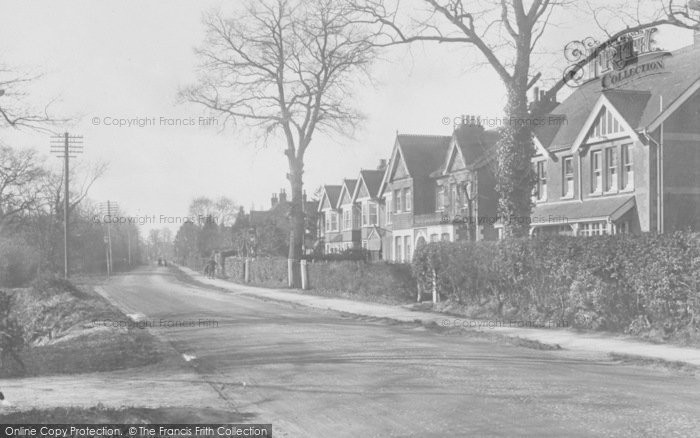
x=31 y=221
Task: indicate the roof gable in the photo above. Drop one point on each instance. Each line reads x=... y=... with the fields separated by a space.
x=346 y=192
x=644 y=103
x=596 y=126
x=456 y=162
x=398 y=168
x=329 y=198
x=361 y=189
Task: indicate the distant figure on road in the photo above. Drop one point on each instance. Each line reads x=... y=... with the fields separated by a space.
x=210 y=268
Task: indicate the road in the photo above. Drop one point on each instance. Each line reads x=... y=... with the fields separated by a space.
x=319 y=374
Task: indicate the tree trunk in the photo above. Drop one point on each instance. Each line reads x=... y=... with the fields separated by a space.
x=296 y=235
x=515 y=175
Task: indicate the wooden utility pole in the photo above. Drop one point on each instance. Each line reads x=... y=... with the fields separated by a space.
x=108 y=209
x=66 y=146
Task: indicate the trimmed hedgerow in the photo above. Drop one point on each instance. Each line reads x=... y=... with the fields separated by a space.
x=635 y=284
x=269 y=271
x=382 y=282
x=234 y=269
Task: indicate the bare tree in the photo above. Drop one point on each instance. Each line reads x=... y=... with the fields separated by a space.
x=223 y=210
x=20 y=176
x=285 y=66
x=506 y=34
x=15 y=111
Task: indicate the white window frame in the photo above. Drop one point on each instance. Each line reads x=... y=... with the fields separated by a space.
x=568 y=190
x=612 y=164
x=596 y=172
x=626 y=167
x=541 y=186
x=408 y=200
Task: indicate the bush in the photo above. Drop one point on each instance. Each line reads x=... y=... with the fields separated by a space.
x=233 y=267
x=626 y=283
x=19 y=262
x=372 y=281
x=264 y=271
x=269 y=271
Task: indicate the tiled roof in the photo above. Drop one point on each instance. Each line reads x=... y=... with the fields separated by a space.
x=372 y=179
x=638 y=100
x=350 y=184
x=332 y=192
x=474 y=142
x=423 y=153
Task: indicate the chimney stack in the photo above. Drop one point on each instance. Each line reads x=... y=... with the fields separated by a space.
x=382 y=164
x=283 y=196
x=273 y=201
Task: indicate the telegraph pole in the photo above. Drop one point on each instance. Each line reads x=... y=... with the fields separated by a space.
x=66 y=146
x=108 y=209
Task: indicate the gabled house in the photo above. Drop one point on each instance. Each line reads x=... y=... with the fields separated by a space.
x=622 y=153
x=371 y=208
x=466 y=198
x=329 y=234
x=408 y=190
x=349 y=216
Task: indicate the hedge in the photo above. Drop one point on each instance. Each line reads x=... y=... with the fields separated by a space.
x=264 y=271
x=371 y=281
x=624 y=283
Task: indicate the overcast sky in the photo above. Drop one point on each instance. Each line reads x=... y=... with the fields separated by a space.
x=126 y=59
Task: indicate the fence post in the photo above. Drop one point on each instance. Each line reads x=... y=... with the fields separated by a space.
x=246 y=270
x=305 y=275
x=436 y=297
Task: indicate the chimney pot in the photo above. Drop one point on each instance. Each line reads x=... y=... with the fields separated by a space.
x=382 y=164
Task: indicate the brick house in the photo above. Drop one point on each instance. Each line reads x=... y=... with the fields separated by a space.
x=371 y=209
x=622 y=153
x=439 y=188
x=329 y=234
x=408 y=190
x=349 y=215
x=466 y=198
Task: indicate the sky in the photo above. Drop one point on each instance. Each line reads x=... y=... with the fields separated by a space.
x=103 y=61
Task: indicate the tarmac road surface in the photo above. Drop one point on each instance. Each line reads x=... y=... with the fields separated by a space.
x=314 y=373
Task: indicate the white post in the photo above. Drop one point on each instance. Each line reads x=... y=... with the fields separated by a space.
x=435 y=288
x=305 y=275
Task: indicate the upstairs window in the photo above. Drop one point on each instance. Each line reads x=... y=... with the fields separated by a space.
x=627 y=171
x=567 y=165
x=397 y=201
x=347 y=219
x=611 y=169
x=541 y=186
x=440 y=198
x=334 y=221
x=373 y=214
x=596 y=172
x=407 y=204
x=365 y=214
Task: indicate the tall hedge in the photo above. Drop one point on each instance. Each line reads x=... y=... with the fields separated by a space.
x=629 y=283
x=372 y=281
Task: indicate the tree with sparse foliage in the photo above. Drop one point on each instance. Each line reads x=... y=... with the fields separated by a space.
x=285 y=66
